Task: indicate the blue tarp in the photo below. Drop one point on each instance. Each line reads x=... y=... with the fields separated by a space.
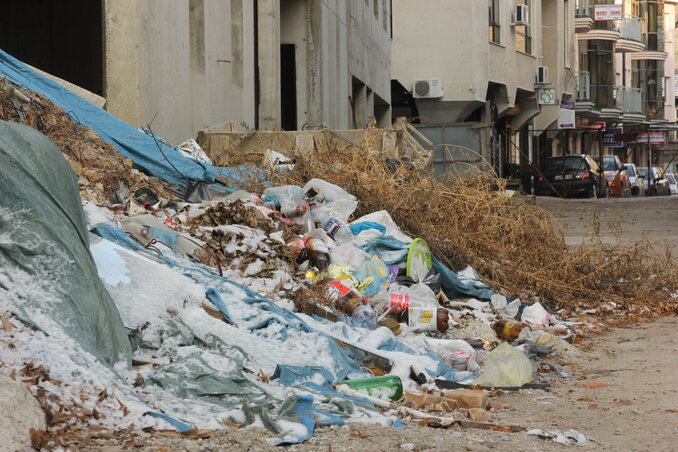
x=393 y=251
x=153 y=156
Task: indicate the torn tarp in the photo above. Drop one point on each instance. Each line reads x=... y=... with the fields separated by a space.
x=152 y=155
x=47 y=275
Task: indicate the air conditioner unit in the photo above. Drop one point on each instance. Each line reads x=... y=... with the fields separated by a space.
x=520 y=15
x=431 y=88
x=541 y=77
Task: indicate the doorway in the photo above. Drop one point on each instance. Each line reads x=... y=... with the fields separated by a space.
x=288 y=87
x=63 y=38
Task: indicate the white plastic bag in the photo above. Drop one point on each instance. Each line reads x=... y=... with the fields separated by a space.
x=330 y=200
x=506 y=366
x=290 y=198
x=535 y=314
x=349 y=255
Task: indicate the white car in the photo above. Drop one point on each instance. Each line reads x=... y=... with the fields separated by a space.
x=672 y=183
x=635 y=179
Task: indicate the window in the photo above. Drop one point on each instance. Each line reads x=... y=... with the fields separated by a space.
x=524 y=32
x=648 y=76
x=385 y=15
x=494 y=27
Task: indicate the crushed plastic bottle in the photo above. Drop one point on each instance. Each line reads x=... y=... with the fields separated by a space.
x=364 y=317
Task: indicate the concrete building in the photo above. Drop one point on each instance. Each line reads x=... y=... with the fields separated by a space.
x=625 y=74
x=183 y=65
x=504 y=66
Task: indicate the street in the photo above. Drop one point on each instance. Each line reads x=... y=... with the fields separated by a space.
x=626 y=221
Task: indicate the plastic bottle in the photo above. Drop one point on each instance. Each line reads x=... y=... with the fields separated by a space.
x=335 y=228
x=364 y=317
x=388 y=386
x=318 y=253
x=507 y=330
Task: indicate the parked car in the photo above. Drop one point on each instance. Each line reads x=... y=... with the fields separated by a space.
x=673 y=186
x=657 y=185
x=615 y=174
x=635 y=180
x=572 y=175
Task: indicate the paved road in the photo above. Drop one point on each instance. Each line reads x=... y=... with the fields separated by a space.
x=627 y=220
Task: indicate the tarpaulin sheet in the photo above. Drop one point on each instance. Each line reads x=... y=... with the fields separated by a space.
x=47 y=274
x=154 y=156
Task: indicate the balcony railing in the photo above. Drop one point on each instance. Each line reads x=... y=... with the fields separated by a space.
x=583 y=8
x=583 y=86
x=629 y=100
x=631 y=28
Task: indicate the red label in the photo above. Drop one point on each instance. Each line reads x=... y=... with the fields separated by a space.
x=401 y=300
x=336 y=290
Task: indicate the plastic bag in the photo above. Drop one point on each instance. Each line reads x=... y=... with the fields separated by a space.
x=374 y=276
x=506 y=367
x=383 y=218
x=288 y=198
x=503 y=307
x=348 y=255
x=332 y=200
x=535 y=314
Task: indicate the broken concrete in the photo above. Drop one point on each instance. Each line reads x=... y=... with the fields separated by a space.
x=21 y=413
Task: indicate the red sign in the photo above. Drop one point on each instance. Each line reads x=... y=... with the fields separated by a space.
x=596 y=126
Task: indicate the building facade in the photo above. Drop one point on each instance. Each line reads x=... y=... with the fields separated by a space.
x=182 y=65
x=625 y=78
x=504 y=64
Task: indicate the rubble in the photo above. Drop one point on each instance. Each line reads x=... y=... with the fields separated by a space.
x=22 y=414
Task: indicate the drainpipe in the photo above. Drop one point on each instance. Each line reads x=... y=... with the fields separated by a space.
x=257 y=78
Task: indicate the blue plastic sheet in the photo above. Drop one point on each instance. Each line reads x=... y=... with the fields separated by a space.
x=153 y=156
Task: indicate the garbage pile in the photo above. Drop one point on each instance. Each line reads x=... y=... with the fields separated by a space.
x=195 y=307
x=513 y=244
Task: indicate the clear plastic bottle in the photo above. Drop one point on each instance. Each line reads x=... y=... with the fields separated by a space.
x=364 y=317
x=335 y=228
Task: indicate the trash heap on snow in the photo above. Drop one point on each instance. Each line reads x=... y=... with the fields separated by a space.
x=199 y=307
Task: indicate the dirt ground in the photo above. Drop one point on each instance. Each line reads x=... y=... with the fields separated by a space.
x=635 y=408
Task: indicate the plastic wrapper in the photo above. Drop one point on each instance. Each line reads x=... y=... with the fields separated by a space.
x=506 y=366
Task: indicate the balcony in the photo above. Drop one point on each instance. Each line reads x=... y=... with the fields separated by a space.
x=597 y=100
x=603 y=30
x=654 y=47
x=583 y=19
x=630 y=35
x=630 y=102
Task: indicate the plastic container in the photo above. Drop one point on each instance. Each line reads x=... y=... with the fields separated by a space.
x=386 y=387
x=507 y=330
x=428 y=318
